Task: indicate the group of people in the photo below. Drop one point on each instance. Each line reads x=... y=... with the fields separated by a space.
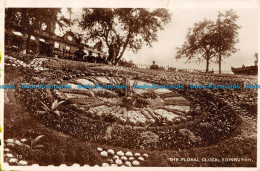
x=111 y=59
x=81 y=56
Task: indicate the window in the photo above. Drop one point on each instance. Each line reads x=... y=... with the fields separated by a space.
x=68 y=48
x=56 y=45
x=69 y=38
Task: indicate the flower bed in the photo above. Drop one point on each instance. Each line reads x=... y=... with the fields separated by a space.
x=211 y=120
x=216 y=124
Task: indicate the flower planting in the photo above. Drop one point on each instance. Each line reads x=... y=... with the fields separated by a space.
x=126 y=126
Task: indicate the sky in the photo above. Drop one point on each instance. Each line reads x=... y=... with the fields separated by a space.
x=164 y=50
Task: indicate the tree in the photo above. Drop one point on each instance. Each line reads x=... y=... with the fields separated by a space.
x=30 y=20
x=256 y=59
x=226 y=31
x=199 y=44
x=209 y=39
x=123 y=28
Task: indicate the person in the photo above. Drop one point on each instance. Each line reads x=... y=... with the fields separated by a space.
x=154 y=66
x=113 y=52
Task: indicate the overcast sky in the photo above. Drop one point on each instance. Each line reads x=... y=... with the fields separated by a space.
x=164 y=50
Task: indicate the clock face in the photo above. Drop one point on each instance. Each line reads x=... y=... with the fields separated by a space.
x=126 y=106
x=100 y=109
x=69 y=38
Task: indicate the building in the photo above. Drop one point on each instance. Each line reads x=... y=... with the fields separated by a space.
x=47 y=43
x=249 y=70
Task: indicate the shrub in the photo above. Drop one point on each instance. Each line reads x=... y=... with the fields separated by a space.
x=58 y=158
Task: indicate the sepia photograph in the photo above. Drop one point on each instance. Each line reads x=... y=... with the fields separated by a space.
x=130 y=87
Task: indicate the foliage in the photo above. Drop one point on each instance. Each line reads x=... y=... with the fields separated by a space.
x=226 y=33
x=53 y=107
x=123 y=28
x=208 y=40
x=150 y=137
x=127 y=63
x=218 y=130
x=34 y=142
x=199 y=44
x=31 y=20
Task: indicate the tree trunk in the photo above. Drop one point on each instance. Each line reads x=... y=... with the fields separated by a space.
x=207 y=65
x=113 y=53
x=110 y=54
x=122 y=53
x=219 y=63
x=117 y=60
x=124 y=48
x=28 y=43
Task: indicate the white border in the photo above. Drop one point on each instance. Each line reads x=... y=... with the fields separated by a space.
x=174 y=4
